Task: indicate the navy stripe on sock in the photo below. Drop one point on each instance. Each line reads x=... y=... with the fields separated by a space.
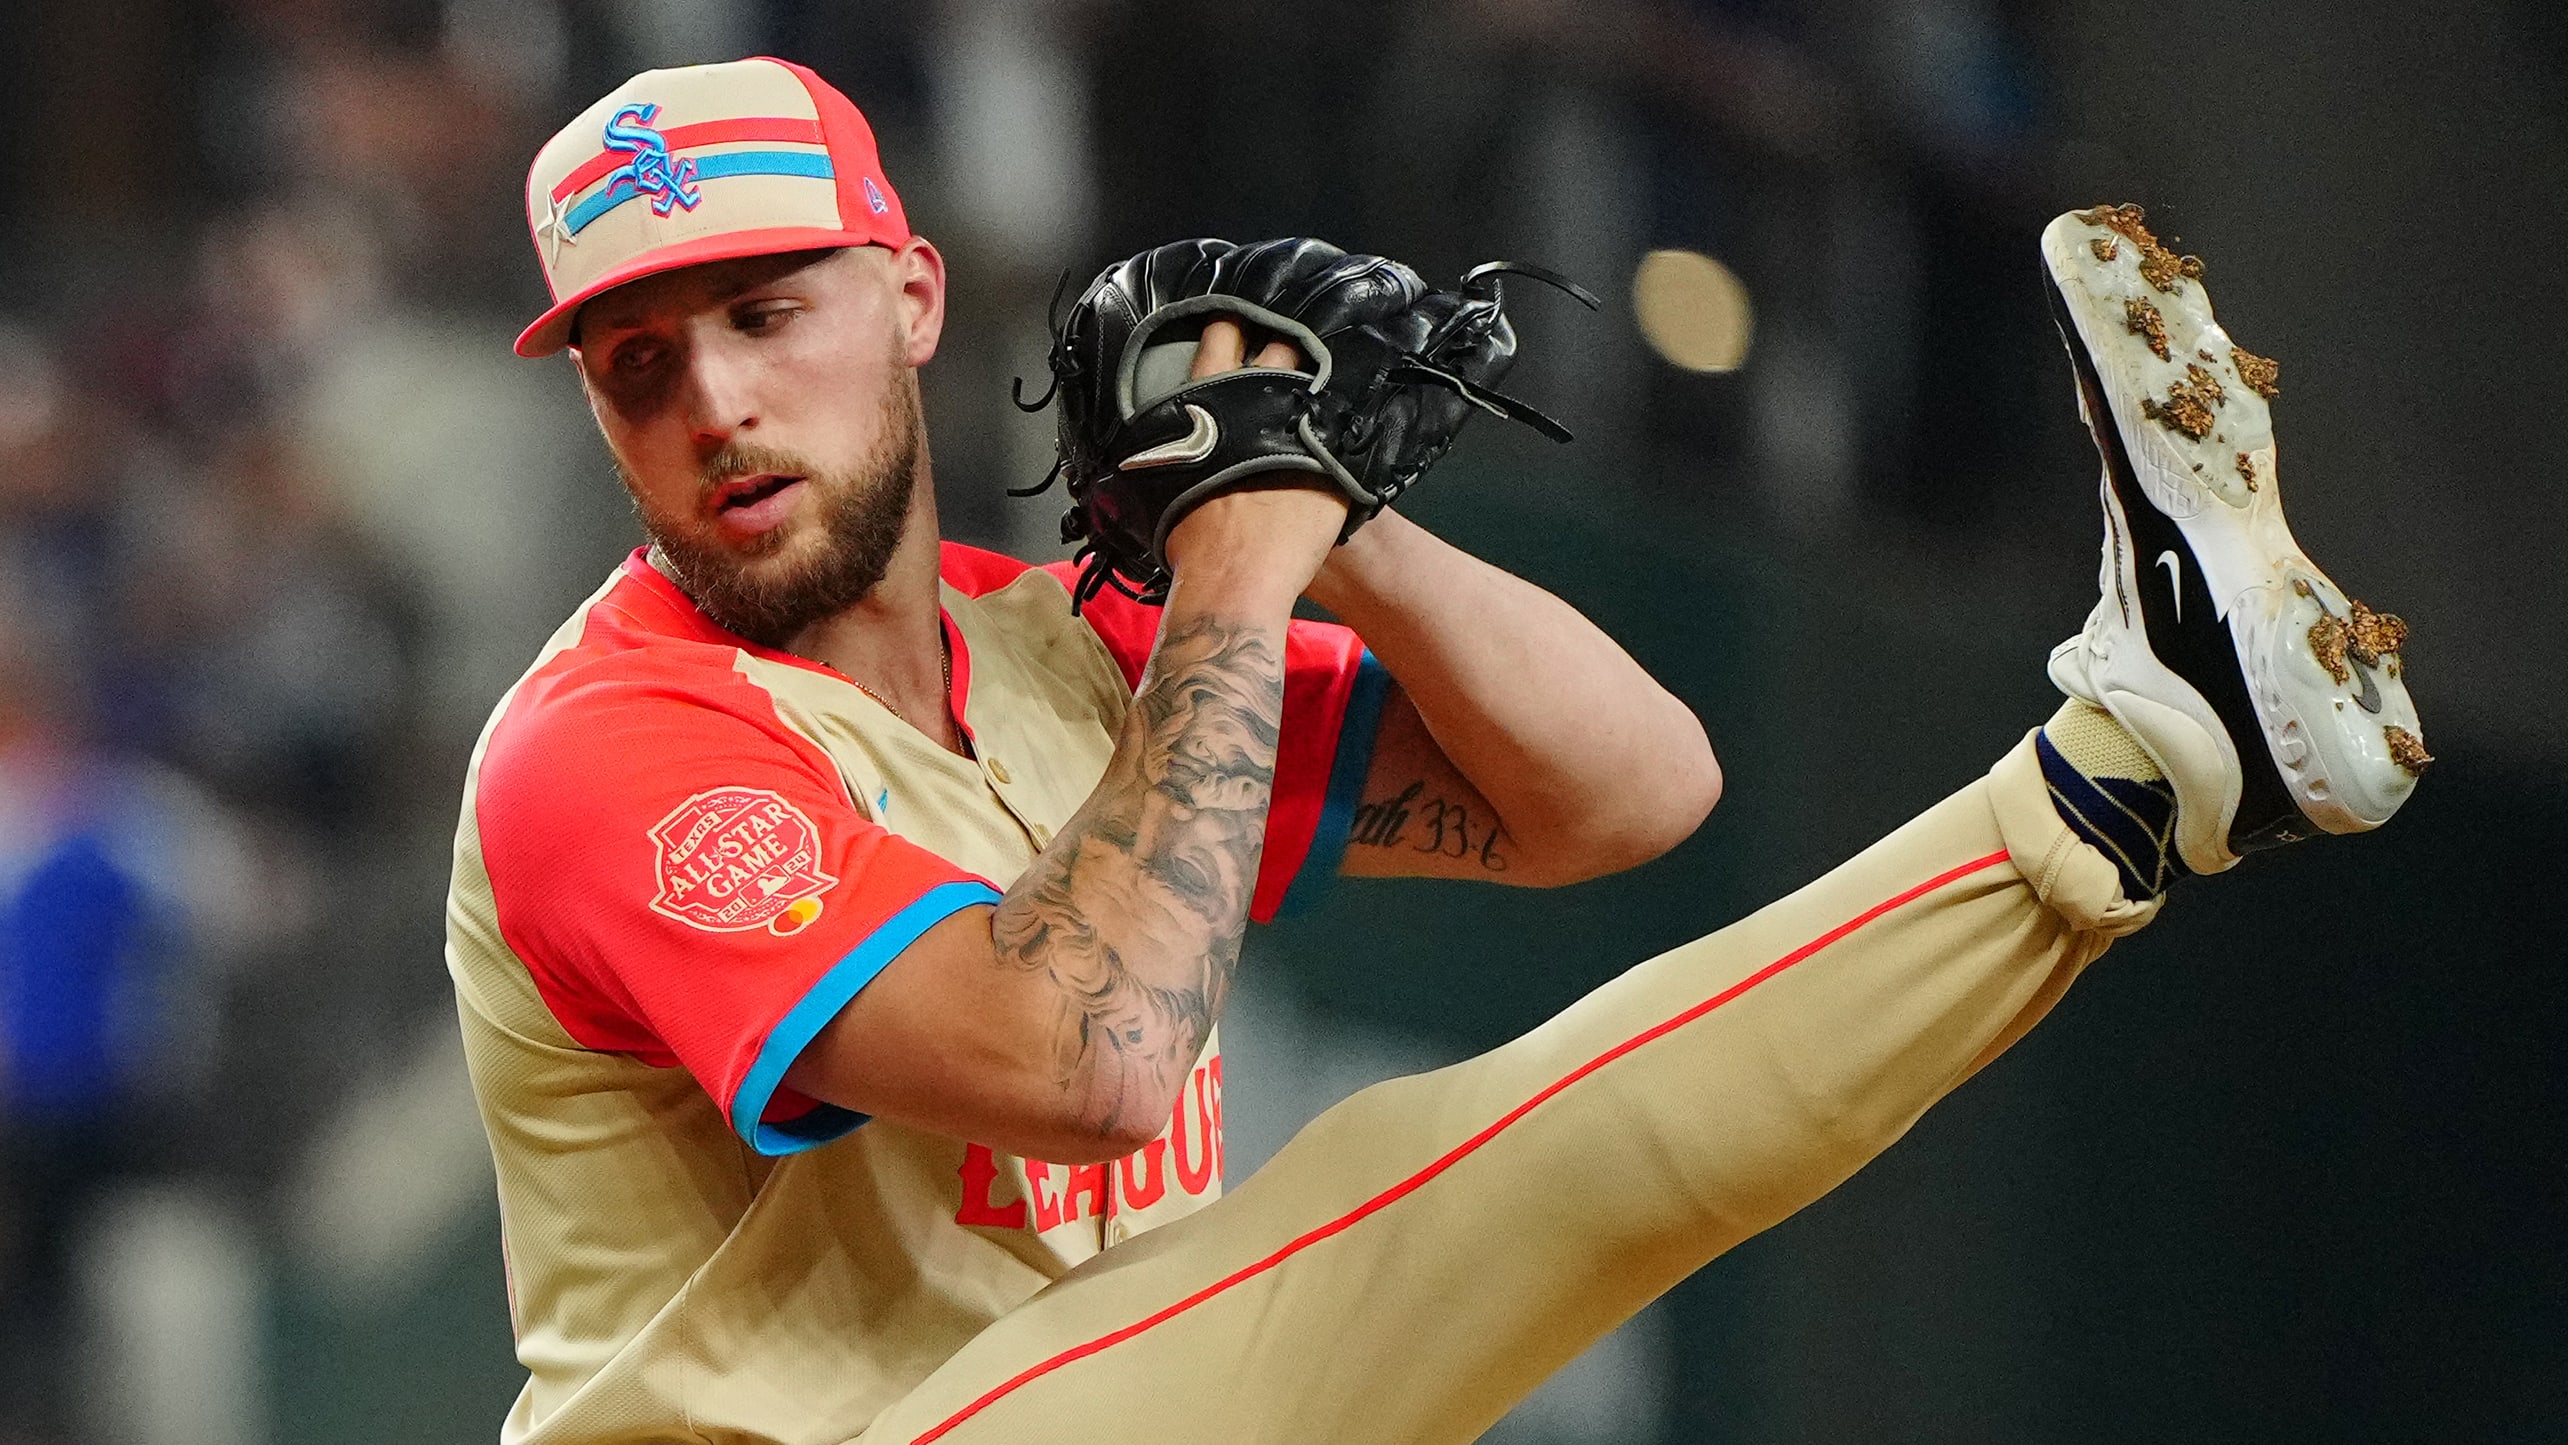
x=2130 y=822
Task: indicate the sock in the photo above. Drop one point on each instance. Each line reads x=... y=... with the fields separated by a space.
x=2112 y=796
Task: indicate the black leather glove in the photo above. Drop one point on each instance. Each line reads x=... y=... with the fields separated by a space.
x=1398 y=368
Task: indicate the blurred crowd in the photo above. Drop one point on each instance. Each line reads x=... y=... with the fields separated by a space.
x=280 y=515
x=260 y=568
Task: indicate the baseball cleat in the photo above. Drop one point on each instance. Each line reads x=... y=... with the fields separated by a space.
x=2274 y=703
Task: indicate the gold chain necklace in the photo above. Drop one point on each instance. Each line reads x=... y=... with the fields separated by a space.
x=945 y=654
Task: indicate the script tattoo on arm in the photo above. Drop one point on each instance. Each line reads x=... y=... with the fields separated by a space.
x=1136 y=911
x=1435 y=825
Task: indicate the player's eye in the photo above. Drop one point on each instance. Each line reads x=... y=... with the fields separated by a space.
x=637 y=356
x=763 y=315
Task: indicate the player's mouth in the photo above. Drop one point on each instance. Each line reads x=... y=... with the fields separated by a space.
x=753 y=505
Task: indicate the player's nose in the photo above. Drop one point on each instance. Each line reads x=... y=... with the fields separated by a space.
x=721 y=393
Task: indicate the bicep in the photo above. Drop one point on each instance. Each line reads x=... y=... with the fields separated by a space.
x=940 y=1041
x=1419 y=816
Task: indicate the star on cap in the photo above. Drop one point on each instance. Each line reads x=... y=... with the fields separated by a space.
x=554 y=231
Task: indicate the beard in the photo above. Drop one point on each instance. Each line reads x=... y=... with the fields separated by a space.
x=862 y=515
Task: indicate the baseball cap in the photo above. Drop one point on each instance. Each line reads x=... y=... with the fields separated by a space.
x=701 y=163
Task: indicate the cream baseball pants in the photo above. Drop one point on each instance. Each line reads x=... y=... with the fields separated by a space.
x=1423 y=1254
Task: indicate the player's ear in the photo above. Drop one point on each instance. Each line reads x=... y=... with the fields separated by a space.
x=919 y=270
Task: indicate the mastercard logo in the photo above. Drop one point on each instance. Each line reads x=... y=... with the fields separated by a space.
x=797 y=917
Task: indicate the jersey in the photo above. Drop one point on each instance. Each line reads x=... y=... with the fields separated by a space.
x=680 y=854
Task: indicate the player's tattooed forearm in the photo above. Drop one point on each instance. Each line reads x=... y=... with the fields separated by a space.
x=1136 y=912
x=1430 y=825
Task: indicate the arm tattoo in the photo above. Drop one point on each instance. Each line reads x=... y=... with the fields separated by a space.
x=1447 y=829
x=1135 y=913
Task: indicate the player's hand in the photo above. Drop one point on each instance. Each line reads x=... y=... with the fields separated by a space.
x=1274 y=537
x=1224 y=347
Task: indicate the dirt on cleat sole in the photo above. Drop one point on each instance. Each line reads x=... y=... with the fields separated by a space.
x=2182 y=414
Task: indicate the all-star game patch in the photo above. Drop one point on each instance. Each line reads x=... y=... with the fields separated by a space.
x=739 y=858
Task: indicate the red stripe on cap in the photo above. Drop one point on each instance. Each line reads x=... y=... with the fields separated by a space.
x=856 y=156
x=702 y=133
x=1452 y=1157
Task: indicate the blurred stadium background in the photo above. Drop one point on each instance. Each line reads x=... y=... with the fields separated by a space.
x=280 y=516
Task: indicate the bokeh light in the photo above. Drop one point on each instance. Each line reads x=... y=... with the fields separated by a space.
x=1694 y=311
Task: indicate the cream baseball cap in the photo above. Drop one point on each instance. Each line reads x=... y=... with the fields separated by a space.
x=702 y=163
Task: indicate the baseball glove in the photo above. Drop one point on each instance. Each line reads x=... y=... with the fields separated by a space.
x=1399 y=367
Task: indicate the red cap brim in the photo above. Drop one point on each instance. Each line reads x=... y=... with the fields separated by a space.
x=552 y=330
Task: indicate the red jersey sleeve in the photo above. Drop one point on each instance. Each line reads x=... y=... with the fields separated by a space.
x=688 y=883
x=1333 y=692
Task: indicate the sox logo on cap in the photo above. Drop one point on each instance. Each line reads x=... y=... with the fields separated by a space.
x=651 y=172
x=748 y=158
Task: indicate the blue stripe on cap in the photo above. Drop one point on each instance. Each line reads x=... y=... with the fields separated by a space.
x=619 y=186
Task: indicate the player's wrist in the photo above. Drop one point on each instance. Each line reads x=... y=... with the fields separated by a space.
x=1268 y=541
x=1243 y=589
x=1366 y=566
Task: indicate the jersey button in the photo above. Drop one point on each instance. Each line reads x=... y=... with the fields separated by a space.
x=1116 y=1233
x=1042 y=836
x=999 y=770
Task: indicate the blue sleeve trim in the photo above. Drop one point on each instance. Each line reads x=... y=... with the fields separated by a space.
x=804 y=1021
x=1347 y=772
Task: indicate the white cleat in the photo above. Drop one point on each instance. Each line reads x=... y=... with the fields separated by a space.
x=2275 y=705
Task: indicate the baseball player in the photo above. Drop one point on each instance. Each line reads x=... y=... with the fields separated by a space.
x=841 y=923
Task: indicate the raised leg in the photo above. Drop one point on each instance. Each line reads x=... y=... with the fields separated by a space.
x=1423 y=1254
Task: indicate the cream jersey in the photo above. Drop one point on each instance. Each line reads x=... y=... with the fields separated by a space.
x=680 y=854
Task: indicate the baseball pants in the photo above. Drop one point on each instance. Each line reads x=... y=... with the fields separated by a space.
x=1426 y=1252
